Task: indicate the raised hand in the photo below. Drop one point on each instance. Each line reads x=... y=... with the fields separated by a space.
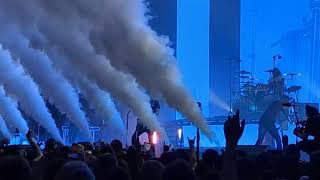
x=166 y=148
x=29 y=134
x=191 y=142
x=34 y=145
x=233 y=130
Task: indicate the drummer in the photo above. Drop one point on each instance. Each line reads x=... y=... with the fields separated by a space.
x=276 y=83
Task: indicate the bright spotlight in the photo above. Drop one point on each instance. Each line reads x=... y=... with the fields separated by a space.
x=179 y=134
x=214 y=99
x=155 y=138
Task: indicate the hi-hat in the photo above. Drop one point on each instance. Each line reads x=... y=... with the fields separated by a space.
x=269 y=71
x=244 y=72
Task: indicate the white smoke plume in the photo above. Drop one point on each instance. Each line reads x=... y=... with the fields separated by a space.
x=51 y=83
x=146 y=55
x=103 y=104
x=118 y=84
x=4 y=129
x=118 y=30
x=99 y=99
x=159 y=77
x=26 y=92
x=9 y=111
x=75 y=45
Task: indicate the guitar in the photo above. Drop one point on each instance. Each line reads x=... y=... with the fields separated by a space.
x=300 y=130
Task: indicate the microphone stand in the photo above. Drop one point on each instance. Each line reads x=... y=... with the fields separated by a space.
x=198 y=137
x=127 y=128
x=231 y=61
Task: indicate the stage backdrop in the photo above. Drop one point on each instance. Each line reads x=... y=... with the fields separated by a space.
x=193 y=48
x=224 y=61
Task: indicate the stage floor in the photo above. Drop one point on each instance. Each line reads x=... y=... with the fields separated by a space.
x=249 y=137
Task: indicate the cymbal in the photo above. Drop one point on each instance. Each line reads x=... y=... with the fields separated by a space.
x=249 y=90
x=248 y=82
x=244 y=72
x=243 y=77
x=293 y=89
x=292 y=74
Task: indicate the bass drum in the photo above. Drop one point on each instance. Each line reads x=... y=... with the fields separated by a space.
x=242 y=103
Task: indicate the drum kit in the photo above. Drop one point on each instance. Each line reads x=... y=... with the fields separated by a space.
x=255 y=96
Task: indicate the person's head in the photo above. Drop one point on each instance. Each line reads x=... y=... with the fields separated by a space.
x=65 y=151
x=179 y=170
x=51 y=145
x=311 y=111
x=4 y=142
x=185 y=155
x=106 y=161
x=15 y=167
x=168 y=157
x=152 y=170
x=155 y=105
x=276 y=72
x=106 y=149
x=59 y=144
x=116 y=145
x=74 y=147
x=80 y=149
x=78 y=152
x=104 y=165
x=75 y=170
x=210 y=156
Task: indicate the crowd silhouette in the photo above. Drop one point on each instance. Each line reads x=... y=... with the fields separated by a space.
x=103 y=161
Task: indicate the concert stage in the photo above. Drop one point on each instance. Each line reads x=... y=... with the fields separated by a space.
x=249 y=137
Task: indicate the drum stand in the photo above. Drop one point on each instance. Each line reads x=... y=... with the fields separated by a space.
x=297 y=119
x=231 y=61
x=296 y=96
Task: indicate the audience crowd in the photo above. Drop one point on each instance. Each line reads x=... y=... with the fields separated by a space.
x=102 y=161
